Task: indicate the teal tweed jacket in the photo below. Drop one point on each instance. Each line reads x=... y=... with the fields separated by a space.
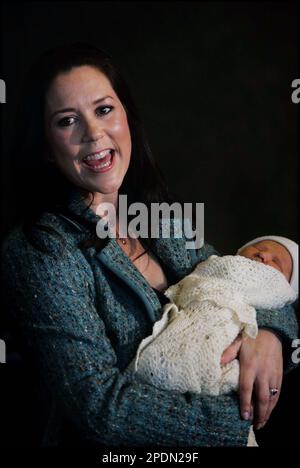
x=83 y=314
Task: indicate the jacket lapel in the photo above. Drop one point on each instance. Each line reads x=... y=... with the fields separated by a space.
x=170 y=251
x=173 y=253
x=113 y=257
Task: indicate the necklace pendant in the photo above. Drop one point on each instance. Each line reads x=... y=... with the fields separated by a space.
x=123 y=241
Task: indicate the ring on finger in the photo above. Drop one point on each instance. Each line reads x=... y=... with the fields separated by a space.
x=273 y=391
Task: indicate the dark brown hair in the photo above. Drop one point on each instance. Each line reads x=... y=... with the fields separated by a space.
x=143 y=181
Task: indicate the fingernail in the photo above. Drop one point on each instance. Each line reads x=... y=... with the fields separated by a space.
x=246 y=415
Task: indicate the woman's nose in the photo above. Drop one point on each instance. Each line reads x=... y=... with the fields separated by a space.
x=92 y=131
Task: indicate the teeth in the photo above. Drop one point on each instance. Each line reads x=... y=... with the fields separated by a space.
x=101 y=155
x=100 y=166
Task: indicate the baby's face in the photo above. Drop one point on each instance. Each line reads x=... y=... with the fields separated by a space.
x=271 y=253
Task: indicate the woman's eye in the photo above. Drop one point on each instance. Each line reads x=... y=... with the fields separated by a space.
x=66 y=121
x=103 y=110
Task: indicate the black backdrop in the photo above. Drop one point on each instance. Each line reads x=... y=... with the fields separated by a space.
x=213 y=83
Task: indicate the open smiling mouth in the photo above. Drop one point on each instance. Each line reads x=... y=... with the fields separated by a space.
x=100 y=162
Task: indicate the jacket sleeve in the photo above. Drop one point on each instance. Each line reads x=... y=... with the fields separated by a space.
x=283 y=322
x=53 y=303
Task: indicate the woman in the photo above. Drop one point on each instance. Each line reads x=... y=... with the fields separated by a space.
x=84 y=304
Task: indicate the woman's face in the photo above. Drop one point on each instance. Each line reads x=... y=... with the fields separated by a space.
x=87 y=131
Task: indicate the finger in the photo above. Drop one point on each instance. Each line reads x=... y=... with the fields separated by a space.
x=231 y=352
x=251 y=412
x=247 y=377
x=273 y=400
x=262 y=392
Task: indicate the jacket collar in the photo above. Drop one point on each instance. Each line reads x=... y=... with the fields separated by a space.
x=170 y=251
x=76 y=206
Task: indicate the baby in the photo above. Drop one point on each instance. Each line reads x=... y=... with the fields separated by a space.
x=209 y=308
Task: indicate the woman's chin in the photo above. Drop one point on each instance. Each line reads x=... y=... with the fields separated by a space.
x=91 y=184
x=107 y=189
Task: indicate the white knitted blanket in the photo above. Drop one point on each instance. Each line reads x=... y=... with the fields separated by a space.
x=208 y=309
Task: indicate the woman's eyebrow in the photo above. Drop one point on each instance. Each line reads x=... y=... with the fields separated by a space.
x=72 y=109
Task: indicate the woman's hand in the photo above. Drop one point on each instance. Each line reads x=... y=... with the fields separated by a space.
x=261 y=368
x=232 y=351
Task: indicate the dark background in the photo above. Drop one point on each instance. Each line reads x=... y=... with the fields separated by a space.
x=212 y=81
x=213 y=84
